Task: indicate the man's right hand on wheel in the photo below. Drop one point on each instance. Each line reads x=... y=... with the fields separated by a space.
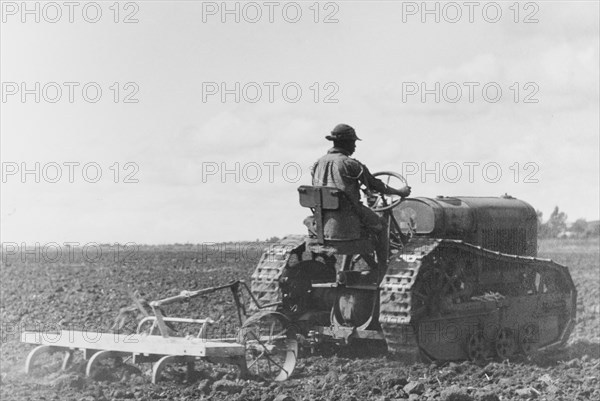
x=403 y=192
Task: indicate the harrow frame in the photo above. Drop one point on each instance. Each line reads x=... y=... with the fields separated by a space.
x=162 y=346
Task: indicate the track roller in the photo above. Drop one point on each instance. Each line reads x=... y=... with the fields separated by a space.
x=477 y=347
x=529 y=338
x=505 y=344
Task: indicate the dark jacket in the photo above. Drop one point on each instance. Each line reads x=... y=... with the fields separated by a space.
x=337 y=169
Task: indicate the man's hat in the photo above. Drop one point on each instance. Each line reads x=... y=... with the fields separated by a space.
x=343 y=132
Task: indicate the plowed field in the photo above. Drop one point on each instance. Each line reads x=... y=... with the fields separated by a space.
x=83 y=294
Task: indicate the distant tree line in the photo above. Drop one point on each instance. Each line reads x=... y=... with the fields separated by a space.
x=557 y=226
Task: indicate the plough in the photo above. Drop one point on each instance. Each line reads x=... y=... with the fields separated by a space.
x=263 y=348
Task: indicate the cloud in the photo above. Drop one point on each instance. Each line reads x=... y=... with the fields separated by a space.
x=171 y=134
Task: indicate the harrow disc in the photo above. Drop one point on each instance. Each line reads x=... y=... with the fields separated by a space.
x=271 y=349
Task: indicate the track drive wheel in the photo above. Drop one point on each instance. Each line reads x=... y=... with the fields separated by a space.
x=271 y=347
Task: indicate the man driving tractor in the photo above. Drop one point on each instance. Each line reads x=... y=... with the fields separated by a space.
x=337 y=169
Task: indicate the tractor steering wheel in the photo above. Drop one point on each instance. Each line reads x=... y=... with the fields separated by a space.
x=380 y=202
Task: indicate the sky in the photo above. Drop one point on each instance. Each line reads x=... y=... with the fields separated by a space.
x=195 y=127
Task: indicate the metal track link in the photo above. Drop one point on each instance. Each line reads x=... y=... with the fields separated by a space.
x=396 y=297
x=265 y=279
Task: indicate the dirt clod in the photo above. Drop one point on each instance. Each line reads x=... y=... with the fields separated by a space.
x=414 y=387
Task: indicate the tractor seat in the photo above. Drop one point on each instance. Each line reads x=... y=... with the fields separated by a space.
x=334 y=227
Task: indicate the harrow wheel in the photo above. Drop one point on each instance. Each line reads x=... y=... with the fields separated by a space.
x=505 y=344
x=477 y=347
x=271 y=349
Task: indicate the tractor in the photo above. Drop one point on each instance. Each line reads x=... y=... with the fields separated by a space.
x=448 y=278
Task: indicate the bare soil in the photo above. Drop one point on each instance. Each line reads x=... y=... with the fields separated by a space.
x=79 y=294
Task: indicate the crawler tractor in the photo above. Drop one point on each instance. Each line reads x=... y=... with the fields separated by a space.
x=450 y=278
x=458 y=278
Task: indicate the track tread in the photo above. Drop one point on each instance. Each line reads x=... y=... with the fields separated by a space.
x=396 y=315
